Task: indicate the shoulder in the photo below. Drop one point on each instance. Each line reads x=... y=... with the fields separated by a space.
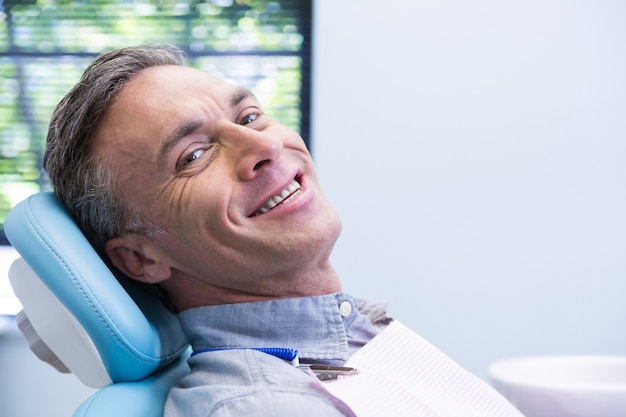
x=254 y=384
x=376 y=313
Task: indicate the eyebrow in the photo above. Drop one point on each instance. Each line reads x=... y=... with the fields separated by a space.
x=174 y=137
x=239 y=95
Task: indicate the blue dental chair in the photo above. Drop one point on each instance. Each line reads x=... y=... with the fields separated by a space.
x=80 y=318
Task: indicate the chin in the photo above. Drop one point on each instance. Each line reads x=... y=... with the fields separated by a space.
x=331 y=230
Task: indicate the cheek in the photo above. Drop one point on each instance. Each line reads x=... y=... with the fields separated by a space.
x=294 y=140
x=194 y=208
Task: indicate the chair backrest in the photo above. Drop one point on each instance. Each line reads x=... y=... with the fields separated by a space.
x=79 y=317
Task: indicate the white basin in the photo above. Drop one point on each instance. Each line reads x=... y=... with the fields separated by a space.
x=563 y=386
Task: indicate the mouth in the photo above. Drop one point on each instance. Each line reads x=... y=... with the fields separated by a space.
x=284 y=196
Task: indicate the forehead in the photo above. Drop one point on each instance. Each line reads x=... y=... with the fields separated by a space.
x=174 y=80
x=154 y=105
x=159 y=98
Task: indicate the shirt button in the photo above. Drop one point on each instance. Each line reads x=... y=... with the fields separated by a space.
x=345 y=308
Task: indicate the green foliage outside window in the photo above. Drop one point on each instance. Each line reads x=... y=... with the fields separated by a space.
x=46 y=44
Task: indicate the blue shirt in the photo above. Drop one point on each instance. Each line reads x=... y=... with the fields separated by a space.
x=232 y=380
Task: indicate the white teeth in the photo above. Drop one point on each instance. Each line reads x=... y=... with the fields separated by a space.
x=279 y=198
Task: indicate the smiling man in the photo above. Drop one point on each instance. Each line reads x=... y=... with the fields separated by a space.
x=182 y=182
x=234 y=191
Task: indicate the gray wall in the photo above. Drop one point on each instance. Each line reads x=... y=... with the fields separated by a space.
x=30 y=388
x=476 y=152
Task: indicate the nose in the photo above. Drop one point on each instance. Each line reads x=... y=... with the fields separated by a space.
x=252 y=151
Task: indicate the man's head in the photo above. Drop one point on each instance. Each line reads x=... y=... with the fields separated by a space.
x=206 y=195
x=86 y=186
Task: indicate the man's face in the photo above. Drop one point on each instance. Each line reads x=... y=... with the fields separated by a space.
x=235 y=191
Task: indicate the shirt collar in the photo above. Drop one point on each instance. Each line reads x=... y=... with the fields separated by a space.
x=316 y=326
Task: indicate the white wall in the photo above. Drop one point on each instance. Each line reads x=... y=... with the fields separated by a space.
x=475 y=151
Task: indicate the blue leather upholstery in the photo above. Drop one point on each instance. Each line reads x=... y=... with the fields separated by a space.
x=135 y=335
x=145 y=398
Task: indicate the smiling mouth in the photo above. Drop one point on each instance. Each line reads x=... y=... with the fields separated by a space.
x=292 y=190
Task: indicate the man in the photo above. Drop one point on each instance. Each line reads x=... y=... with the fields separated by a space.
x=182 y=182
x=212 y=199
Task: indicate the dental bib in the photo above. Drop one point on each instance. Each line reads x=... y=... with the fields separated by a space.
x=401 y=374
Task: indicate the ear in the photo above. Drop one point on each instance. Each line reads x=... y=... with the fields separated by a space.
x=138 y=258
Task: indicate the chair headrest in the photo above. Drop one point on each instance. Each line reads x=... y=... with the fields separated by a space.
x=128 y=330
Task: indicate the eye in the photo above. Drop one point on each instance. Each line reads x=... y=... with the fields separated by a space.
x=249 y=118
x=189 y=158
x=193 y=156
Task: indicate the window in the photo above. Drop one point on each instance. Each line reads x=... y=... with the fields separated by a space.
x=46 y=44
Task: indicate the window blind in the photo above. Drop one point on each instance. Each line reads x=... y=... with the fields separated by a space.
x=46 y=44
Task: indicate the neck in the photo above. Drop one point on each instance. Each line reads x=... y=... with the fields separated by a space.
x=188 y=292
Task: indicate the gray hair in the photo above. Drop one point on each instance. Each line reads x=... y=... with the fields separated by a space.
x=85 y=184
